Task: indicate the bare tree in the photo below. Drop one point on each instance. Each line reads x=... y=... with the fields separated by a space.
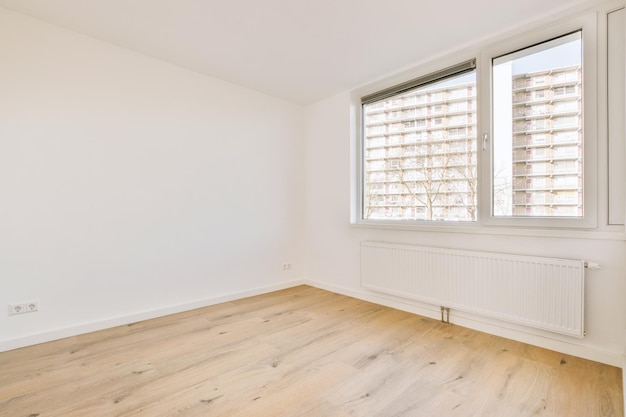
x=440 y=177
x=502 y=186
x=432 y=177
x=468 y=171
x=427 y=189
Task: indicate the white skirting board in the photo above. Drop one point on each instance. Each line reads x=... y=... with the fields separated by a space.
x=508 y=330
x=60 y=333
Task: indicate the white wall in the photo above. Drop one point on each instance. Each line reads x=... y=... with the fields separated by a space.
x=131 y=188
x=333 y=246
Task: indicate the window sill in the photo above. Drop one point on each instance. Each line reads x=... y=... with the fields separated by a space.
x=612 y=232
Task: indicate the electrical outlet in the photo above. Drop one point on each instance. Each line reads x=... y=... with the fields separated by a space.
x=22 y=308
x=286 y=266
x=16 y=309
x=32 y=306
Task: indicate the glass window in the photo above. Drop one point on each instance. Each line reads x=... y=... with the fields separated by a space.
x=530 y=115
x=435 y=181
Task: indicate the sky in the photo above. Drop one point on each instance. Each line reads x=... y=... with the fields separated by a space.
x=561 y=52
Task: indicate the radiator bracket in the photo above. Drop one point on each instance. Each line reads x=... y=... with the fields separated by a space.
x=445 y=310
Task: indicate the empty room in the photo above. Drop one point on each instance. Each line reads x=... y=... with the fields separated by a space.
x=312 y=208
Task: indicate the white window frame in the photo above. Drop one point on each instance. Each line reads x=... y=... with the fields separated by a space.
x=588 y=25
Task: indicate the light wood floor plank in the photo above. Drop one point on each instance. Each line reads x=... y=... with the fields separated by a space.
x=301 y=352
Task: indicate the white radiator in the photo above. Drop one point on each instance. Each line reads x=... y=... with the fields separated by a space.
x=544 y=293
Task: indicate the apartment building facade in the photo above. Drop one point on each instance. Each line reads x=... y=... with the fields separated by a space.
x=547 y=143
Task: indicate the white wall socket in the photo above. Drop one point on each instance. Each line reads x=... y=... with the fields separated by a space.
x=286 y=266
x=26 y=307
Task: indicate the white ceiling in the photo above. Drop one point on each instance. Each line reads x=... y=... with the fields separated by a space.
x=300 y=50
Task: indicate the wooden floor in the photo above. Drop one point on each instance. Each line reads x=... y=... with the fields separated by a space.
x=300 y=352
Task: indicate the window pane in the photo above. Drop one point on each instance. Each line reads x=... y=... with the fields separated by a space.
x=537 y=128
x=419 y=150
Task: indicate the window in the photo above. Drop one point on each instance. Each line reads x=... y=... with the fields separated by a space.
x=560 y=91
x=532 y=101
x=436 y=181
x=559 y=59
